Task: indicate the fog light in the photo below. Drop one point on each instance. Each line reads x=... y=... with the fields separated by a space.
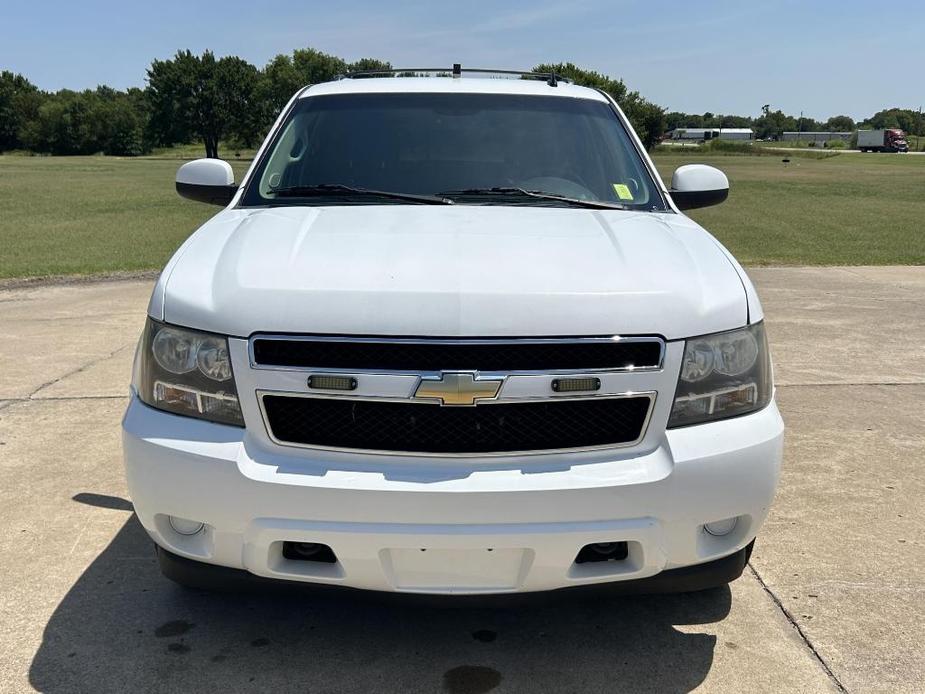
x=183 y=526
x=309 y=551
x=603 y=551
x=721 y=527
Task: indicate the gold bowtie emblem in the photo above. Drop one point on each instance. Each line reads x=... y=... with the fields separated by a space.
x=457 y=389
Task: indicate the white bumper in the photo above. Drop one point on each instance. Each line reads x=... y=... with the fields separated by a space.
x=465 y=529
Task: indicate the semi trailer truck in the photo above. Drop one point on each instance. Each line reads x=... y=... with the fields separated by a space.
x=889 y=140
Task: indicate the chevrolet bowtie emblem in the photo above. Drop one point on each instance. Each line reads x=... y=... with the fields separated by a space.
x=458 y=388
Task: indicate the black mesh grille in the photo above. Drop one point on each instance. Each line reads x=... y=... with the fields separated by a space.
x=446 y=356
x=426 y=428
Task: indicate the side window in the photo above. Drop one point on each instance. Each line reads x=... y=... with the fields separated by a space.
x=288 y=155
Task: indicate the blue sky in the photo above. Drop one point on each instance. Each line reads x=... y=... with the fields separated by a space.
x=821 y=57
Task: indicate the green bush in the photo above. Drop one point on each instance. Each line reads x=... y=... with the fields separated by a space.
x=89 y=122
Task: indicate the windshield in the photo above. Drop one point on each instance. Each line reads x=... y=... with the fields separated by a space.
x=486 y=149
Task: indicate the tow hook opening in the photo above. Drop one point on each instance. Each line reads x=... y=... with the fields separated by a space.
x=602 y=551
x=309 y=551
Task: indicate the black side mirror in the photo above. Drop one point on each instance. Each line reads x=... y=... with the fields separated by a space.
x=207 y=180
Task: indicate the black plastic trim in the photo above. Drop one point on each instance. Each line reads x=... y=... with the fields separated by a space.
x=212 y=195
x=714 y=574
x=690 y=200
x=506 y=355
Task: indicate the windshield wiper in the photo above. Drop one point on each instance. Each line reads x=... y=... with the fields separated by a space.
x=539 y=194
x=336 y=189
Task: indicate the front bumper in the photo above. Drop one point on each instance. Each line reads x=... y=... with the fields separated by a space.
x=439 y=526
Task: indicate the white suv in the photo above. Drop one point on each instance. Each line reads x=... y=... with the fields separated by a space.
x=453 y=335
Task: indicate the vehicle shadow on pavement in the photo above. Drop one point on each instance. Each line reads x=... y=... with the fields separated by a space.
x=122 y=627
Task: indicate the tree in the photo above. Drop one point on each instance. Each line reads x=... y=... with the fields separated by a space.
x=117 y=122
x=735 y=122
x=169 y=93
x=677 y=119
x=840 y=124
x=102 y=120
x=314 y=66
x=369 y=65
x=647 y=119
x=19 y=105
x=772 y=124
x=284 y=75
x=60 y=125
x=279 y=80
x=236 y=89
x=201 y=97
x=903 y=118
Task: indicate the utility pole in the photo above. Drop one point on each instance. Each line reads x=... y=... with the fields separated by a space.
x=918 y=132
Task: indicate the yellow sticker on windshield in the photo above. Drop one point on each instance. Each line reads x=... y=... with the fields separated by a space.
x=622 y=190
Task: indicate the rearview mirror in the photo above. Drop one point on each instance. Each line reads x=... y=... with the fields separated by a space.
x=698 y=185
x=206 y=180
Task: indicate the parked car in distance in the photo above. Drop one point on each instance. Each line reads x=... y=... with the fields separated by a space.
x=453 y=335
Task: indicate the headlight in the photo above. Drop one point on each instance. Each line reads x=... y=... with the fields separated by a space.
x=186 y=372
x=723 y=375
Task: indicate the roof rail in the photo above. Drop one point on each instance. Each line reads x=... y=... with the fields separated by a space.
x=551 y=78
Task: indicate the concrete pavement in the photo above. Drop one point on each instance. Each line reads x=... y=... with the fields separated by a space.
x=834 y=598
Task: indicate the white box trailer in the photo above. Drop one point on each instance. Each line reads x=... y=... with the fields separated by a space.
x=703 y=134
x=889 y=140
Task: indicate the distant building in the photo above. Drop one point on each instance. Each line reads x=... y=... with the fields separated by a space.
x=816 y=136
x=701 y=134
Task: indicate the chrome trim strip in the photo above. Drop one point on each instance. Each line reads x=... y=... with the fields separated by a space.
x=651 y=395
x=453 y=341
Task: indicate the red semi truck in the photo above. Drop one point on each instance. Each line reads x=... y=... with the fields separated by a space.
x=890 y=140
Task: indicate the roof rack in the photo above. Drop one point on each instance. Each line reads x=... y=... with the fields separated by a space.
x=551 y=78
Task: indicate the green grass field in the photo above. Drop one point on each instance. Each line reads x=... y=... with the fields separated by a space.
x=850 y=209
x=85 y=215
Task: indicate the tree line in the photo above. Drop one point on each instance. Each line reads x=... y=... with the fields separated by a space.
x=201 y=98
x=770 y=125
x=188 y=98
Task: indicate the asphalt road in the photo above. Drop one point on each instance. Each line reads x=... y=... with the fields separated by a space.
x=834 y=598
x=842 y=151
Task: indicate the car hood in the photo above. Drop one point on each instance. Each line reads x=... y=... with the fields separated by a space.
x=451 y=271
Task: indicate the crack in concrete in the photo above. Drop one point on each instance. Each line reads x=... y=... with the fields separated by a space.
x=835 y=385
x=793 y=622
x=58 y=398
x=74 y=372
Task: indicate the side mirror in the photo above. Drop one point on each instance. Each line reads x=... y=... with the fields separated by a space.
x=698 y=185
x=206 y=180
